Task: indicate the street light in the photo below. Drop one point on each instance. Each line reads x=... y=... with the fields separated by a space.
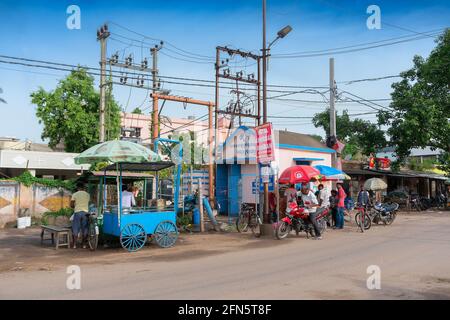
x=281 y=34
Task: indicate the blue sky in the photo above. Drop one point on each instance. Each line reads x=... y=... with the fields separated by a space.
x=37 y=30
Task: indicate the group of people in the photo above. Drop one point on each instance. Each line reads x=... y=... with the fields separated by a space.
x=80 y=204
x=318 y=201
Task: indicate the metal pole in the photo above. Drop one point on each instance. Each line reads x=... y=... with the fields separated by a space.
x=102 y=40
x=332 y=111
x=264 y=58
x=264 y=61
x=259 y=91
x=200 y=204
x=155 y=119
x=210 y=155
x=216 y=114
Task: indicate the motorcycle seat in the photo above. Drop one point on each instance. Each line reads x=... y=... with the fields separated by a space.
x=390 y=207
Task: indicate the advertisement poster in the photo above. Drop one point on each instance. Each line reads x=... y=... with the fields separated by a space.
x=265 y=151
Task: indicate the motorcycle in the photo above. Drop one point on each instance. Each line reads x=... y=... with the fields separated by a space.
x=384 y=212
x=297 y=219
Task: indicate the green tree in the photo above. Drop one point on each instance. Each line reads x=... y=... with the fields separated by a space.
x=420 y=110
x=137 y=111
x=70 y=112
x=358 y=135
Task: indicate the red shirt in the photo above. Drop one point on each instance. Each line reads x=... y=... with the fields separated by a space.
x=342 y=196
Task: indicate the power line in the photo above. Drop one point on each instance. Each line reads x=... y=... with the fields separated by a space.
x=342 y=50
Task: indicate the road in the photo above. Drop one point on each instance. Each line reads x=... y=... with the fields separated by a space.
x=413 y=256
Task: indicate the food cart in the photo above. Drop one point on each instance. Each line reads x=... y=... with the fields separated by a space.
x=155 y=218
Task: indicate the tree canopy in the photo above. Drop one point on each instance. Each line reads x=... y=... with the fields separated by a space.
x=70 y=113
x=359 y=135
x=420 y=110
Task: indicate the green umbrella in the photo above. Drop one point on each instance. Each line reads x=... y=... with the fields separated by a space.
x=117 y=151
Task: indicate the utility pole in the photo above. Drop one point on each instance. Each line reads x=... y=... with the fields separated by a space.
x=266 y=218
x=155 y=88
x=332 y=110
x=102 y=35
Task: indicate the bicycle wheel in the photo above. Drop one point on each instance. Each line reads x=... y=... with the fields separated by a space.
x=255 y=224
x=242 y=222
x=366 y=223
x=93 y=236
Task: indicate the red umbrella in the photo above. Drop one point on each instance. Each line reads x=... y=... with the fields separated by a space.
x=298 y=174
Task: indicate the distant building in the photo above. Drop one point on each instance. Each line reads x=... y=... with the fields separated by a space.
x=16 y=156
x=137 y=127
x=237 y=179
x=420 y=154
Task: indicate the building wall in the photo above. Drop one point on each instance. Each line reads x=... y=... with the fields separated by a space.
x=37 y=199
x=144 y=121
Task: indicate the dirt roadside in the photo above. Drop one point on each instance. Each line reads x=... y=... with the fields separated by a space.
x=20 y=249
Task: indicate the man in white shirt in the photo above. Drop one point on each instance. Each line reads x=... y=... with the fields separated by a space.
x=311 y=203
x=324 y=197
x=128 y=200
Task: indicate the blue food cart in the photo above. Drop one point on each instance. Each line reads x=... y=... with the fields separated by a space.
x=155 y=219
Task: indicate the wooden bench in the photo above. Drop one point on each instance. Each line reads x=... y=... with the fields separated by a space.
x=60 y=233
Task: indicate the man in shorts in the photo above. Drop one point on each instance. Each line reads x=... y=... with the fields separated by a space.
x=80 y=205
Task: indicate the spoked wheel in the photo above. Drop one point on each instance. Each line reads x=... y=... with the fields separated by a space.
x=93 y=236
x=283 y=230
x=242 y=222
x=133 y=237
x=322 y=225
x=367 y=223
x=390 y=219
x=166 y=234
x=255 y=226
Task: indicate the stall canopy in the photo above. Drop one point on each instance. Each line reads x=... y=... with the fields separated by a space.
x=142 y=167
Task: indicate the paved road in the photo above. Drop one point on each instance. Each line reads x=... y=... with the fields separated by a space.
x=413 y=255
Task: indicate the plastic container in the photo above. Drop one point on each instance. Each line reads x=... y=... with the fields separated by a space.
x=196 y=216
x=22 y=222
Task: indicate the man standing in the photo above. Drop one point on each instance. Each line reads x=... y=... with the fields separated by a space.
x=311 y=203
x=128 y=199
x=363 y=197
x=340 y=207
x=323 y=197
x=80 y=205
x=290 y=193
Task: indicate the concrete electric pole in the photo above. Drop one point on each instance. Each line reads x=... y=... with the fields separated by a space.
x=155 y=88
x=332 y=110
x=102 y=35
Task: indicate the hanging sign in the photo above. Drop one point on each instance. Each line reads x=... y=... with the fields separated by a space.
x=265 y=151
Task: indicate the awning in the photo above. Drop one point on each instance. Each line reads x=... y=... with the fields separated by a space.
x=402 y=174
x=141 y=167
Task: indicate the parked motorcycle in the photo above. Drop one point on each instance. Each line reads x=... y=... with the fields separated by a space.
x=297 y=219
x=384 y=212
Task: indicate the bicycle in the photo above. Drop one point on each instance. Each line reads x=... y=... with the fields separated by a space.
x=362 y=218
x=93 y=230
x=248 y=218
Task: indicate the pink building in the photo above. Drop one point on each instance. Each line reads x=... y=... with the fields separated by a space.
x=138 y=126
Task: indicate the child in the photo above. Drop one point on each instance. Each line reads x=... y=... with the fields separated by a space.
x=333 y=206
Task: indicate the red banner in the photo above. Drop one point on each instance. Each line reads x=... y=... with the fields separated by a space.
x=265 y=150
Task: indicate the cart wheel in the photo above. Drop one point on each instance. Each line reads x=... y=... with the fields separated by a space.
x=133 y=237
x=166 y=234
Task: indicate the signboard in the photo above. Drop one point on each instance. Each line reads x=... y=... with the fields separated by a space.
x=379 y=163
x=261 y=185
x=265 y=151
